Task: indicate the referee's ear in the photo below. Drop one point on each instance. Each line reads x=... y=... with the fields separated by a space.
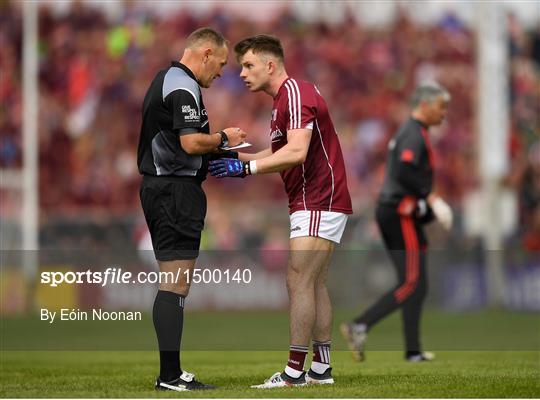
x=206 y=54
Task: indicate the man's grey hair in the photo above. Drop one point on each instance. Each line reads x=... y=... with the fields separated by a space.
x=428 y=91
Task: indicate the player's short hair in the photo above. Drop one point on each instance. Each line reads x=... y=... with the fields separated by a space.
x=428 y=91
x=203 y=35
x=260 y=44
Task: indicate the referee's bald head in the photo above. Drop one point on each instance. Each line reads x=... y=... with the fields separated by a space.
x=203 y=36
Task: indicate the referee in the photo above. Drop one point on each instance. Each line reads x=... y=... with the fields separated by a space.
x=405 y=204
x=174 y=149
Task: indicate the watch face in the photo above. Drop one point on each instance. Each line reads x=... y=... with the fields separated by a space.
x=224 y=139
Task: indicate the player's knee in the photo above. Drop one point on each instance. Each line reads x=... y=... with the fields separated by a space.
x=320 y=285
x=299 y=286
x=301 y=280
x=292 y=285
x=181 y=288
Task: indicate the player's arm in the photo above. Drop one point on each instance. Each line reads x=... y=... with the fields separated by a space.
x=255 y=156
x=292 y=154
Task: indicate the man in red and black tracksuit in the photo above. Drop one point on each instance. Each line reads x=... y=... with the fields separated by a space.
x=405 y=204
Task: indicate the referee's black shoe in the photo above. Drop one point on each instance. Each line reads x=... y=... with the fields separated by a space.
x=185 y=382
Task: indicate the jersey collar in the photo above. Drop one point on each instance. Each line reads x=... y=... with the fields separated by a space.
x=420 y=122
x=282 y=86
x=186 y=69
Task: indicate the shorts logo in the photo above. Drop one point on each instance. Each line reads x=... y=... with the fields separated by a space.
x=190 y=114
x=296 y=228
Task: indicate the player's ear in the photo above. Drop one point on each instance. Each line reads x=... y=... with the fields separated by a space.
x=270 y=67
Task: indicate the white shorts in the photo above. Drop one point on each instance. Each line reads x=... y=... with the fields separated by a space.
x=324 y=224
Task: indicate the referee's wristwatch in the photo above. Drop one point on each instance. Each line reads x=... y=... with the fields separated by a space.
x=224 y=140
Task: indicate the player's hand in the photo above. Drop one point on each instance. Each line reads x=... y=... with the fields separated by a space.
x=228 y=167
x=442 y=212
x=235 y=135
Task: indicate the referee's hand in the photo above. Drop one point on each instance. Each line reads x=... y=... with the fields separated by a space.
x=235 y=135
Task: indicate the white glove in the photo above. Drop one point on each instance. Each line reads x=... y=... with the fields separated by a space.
x=442 y=212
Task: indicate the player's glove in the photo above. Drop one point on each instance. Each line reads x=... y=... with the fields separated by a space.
x=442 y=212
x=229 y=167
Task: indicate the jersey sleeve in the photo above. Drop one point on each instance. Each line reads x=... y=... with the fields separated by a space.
x=409 y=153
x=185 y=111
x=410 y=149
x=301 y=106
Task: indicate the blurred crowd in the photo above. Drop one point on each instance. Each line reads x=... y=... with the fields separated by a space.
x=94 y=72
x=524 y=146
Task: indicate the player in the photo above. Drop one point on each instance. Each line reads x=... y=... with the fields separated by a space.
x=174 y=149
x=305 y=150
x=405 y=204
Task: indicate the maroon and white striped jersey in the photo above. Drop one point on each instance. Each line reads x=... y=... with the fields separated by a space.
x=320 y=183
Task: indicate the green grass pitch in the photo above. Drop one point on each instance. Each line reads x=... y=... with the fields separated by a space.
x=457 y=372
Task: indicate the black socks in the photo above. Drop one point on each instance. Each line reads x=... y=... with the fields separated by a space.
x=168 y=316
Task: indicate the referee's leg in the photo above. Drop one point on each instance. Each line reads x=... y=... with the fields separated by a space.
x=174 y=211
x=168 y=316
x=178 y=268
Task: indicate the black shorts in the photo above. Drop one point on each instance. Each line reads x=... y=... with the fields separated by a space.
x=174 y=209
x=397 y=230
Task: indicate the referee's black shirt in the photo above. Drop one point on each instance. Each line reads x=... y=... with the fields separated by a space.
x=409 y=165
x=173 y=106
